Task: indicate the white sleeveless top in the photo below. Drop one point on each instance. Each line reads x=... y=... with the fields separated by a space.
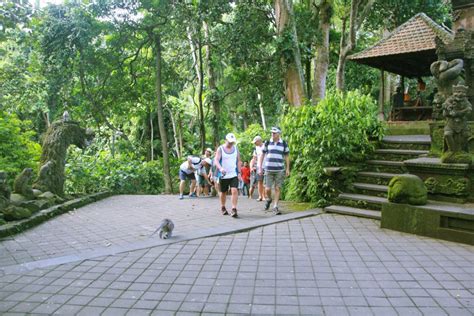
x=229 y=163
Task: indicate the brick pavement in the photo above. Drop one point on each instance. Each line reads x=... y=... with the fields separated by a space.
x=118 y=220
x=326 y=264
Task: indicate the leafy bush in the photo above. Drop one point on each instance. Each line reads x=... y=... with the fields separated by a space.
x=245 y=140
x=17 y=149
x=86 y=173
x=335 y=132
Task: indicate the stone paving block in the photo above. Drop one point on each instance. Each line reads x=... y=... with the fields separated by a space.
x=311 y=310
x=111 y=311
x=196 y=307
x=23 y=307
x=45 y=308
x=259 y=309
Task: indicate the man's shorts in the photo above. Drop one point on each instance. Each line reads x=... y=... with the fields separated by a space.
x=255 y=177
x=274 y=179
x=186 y=176
x=226 y=183
x=201 y=181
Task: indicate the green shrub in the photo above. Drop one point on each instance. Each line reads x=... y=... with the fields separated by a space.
x=125 y=173
x=335 y=132
x=17 y=149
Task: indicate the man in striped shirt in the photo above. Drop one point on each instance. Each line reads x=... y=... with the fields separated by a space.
x=276 y=162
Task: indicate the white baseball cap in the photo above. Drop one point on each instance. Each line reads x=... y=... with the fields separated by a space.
x=256 y=139
x=230 y=138
x=276 y=130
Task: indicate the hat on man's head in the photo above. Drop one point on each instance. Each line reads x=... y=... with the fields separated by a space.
x=256 y=139
x=230 y=138
x=276 y=129
x=208 y=161
x=209 y=150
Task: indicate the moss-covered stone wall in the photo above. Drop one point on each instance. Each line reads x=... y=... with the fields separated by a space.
x=452 y=226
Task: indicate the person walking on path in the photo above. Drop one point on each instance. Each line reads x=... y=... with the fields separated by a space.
x=186 y=172
x=245 y=178
x=204 y=182
x=228 y=166
x=276 y=161
x=256 y=179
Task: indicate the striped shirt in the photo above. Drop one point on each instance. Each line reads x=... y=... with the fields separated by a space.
x=275 y=153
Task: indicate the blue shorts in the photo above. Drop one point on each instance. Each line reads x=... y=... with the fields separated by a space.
x=186 y=176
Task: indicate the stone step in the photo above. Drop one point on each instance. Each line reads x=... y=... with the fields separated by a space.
x=346 y=210
x=361 y=201
x=415 y=142
x=370 y=187
x=389 y=166
x=398 y=154
x=408 y=152
x=382 y=178
x=407 y=139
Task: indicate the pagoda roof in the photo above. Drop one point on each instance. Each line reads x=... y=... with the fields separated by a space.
x=409 y=50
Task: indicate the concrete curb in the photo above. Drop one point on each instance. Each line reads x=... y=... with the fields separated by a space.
x=16 y=227
x=156 y=242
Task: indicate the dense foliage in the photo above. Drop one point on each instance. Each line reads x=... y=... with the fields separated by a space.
x=124 y=173
x=17 y=148
x=336 y=132
x=220 y=69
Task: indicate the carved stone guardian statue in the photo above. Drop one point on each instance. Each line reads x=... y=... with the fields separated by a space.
x=59 y=136
x=456 y=110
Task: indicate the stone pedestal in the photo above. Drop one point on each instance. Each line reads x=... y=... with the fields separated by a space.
x=448 y=222
x=445 y=182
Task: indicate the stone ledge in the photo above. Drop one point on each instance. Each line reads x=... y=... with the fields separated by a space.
x=435 y=163
x=12 y=228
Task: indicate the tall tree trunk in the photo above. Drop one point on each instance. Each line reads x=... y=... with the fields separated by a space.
x=214 y=98
x=321 y=60
x=359 y=11
x=196 y=50
x=161 y=121
x=175 y=133
x=307 y=73
x=180 y=136
x=293 y=71
x=152 y=138
x=262 y=114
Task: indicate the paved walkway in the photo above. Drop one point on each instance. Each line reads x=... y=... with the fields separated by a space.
x=325 y=264
x=119 y=220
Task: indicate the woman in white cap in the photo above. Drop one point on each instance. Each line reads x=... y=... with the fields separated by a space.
x=228 y=166
x=202 y=177
x=256 y=179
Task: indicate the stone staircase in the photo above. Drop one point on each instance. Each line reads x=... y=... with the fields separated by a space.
x=369 y=191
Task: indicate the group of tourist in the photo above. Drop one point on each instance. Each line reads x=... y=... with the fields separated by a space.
x=225 y=173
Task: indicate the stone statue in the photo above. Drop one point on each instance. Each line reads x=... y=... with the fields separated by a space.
x=446 y=74
x=59 y=136
x=456 y=110
x=4 y=192
x=407 y=189
x=22 y=183
x=4 y=189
